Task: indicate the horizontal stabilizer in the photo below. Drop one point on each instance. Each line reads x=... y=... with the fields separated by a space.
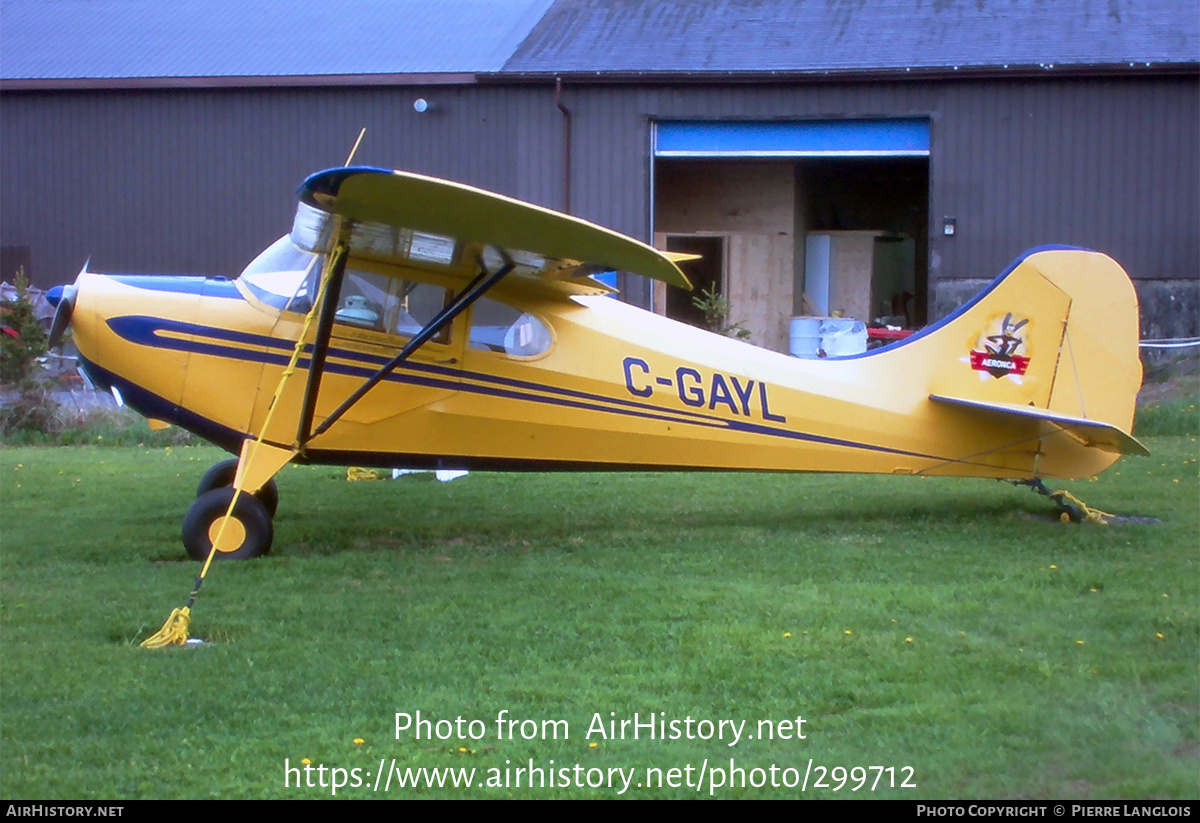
x=1094 y=433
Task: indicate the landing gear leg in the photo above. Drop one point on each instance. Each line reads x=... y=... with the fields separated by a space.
x=223 y=473
x=247 y=531
x=1067 y=512
x=1070 y=508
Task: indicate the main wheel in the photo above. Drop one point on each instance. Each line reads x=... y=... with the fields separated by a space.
x=222 y=474
x=247 y=533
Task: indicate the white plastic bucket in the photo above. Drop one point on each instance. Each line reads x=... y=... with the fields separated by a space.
x=804 y=336
x=843 y=336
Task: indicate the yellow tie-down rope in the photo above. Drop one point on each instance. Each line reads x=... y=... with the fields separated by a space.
x=1071 y=508
x=174 y=631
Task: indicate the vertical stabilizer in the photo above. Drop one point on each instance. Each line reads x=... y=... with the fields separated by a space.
x=1053 y=342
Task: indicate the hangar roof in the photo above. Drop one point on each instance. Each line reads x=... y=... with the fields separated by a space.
x=856 y=35
x=133 y=42
x=61 y=39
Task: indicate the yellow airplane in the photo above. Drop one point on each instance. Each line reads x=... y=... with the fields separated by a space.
x=415 y=322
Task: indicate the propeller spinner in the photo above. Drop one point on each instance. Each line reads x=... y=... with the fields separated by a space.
x=63 y=300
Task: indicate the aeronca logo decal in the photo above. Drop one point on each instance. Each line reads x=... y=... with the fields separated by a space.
x=1001 y=350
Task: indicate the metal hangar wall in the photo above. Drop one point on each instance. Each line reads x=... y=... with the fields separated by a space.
x=194 y=180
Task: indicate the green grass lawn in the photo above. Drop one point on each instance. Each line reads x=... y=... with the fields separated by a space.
x=952 y=627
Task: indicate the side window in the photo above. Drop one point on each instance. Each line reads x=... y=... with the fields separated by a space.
x=391 y=305
x=501 y=328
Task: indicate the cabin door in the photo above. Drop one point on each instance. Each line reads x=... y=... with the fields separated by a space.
x=377 y=315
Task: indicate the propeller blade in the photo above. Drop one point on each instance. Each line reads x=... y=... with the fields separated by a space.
x=65 y=304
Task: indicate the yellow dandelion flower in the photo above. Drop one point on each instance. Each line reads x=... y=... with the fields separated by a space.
x=787 y=634
x=1160 y=636
x=1053 y=566
x=849 y=632
x=306 y=762
x=593 y=745
x=358 y=741
x=1078 y=642
x=462 y=749
x=908 y=640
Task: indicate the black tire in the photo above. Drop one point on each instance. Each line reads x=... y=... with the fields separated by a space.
x=1067 y=511
x=1073 y=512
x=222 y=474
x=250 y=534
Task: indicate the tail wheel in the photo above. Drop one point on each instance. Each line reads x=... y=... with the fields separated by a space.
x=222 y=474
x=247 y=533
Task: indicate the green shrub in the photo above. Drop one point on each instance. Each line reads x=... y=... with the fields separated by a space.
x=29 y=407
x=23 y=340
x=716 y=308
x=97 y=427
x=1170 y=418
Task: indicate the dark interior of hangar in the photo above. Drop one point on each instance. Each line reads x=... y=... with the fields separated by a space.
x=799 y=236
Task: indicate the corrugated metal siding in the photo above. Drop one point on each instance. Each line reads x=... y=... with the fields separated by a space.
x=199 y=181
x=1105 y=163
x=1097 y=163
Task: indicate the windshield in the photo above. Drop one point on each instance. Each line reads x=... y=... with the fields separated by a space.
x=279 y=276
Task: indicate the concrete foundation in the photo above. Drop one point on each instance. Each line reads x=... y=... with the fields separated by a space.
x=1168 y=308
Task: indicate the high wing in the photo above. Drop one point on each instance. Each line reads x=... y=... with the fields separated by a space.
x=402 y=217
x=417 y=221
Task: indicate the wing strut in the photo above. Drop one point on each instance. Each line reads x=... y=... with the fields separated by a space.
x=482 y=283
x=320 y=349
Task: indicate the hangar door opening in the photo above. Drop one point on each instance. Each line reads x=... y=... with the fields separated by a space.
x=825 y=217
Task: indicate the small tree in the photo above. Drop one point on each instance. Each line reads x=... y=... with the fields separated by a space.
x=716 y=313
x=22 y=340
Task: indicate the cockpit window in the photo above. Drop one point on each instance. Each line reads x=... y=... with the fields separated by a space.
x=392 y=305
x=279 y=276
x=499 y=327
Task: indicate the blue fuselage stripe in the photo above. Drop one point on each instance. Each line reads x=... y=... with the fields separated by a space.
x=181 y=284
